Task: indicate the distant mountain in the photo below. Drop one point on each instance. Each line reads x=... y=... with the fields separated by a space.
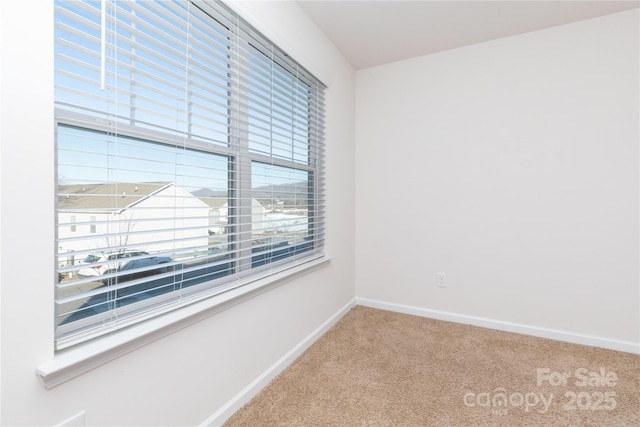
x=289 y=191
x=208 y=192
x=296 y=190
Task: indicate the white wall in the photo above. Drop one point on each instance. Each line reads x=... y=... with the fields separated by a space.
x=186 y=377
x=513 y=167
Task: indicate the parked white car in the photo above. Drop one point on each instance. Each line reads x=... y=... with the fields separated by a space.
x=100 y=263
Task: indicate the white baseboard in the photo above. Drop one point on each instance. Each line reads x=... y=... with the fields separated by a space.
x=227 y=410
x=575 y=338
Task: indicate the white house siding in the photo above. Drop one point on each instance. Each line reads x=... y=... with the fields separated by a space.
x=257 y=215
x=179 y=221
x=172 y=217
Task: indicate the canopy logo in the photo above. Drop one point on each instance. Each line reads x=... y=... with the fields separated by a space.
x=499 y=401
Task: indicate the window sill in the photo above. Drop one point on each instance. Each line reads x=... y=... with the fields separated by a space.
x=75 y=361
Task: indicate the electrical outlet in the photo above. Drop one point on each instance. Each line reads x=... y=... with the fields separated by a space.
x=441 y=280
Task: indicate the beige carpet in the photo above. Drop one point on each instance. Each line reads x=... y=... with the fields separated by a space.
x=379 y=368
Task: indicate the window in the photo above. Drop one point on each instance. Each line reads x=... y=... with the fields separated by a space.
x=189 y=160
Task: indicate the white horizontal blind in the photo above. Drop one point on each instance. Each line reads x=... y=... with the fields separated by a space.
x=189 y=159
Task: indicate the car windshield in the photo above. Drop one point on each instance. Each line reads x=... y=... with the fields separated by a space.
x=92 y=258
x=126 y=255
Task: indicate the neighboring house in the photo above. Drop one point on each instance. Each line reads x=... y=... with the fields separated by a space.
x=267 y=225
x=154 y=217
x=219 y=214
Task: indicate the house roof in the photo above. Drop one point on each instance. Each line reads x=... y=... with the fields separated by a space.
x=119 y=196
x=215 y=202
x=106 y=196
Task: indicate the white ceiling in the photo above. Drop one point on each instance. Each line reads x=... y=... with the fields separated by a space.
x=375 y=32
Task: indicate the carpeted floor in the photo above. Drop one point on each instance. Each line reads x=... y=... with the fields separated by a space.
x=380 y=368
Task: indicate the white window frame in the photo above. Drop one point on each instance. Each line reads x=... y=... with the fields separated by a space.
x=78 y=357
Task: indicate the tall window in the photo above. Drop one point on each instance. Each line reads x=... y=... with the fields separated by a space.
x=189 y=160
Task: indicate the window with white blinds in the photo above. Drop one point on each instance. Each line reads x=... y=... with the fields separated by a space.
x=189 y=160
